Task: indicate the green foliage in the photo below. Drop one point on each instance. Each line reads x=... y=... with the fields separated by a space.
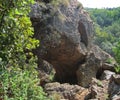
x=18 y=84
x=107 y=30
x=56 y=96
x=18 y=77
x=15 y=29
x=106 y=96
x=117 y=52
x=58 y=2
x=117 y=69
x=110 y=60
x=117 y=56
x=99 y=83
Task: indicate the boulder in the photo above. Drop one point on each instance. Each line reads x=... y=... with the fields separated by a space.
x=46 y=72
x=114 y=87
x=99 y=89
x=66 y=91
x=107 y=75
x=107 y=89
x=45 y=66
x=93 y=67
x=116 y=79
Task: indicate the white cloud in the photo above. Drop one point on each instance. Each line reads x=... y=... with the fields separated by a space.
x=100 y=3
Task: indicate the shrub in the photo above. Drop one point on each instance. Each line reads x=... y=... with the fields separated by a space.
x=117 y=56
x=18 y=84
x=18 y=77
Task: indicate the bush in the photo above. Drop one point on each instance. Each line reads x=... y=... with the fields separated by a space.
x=18 y=77
x=117 y=56
x=18 y=84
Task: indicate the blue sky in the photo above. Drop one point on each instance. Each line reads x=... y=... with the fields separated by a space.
x=100 y=3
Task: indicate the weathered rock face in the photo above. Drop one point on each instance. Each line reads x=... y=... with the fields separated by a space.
x=107 y=75
x=66 y=91
x=106 y=89
x=65 y=33
x=99 y=89
x=114 y=87
x=95 y=64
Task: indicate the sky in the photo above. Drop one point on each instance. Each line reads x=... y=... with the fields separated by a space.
x=100 y=3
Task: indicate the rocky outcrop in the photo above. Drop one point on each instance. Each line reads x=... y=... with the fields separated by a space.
x=114 y=87
x=106 y=75
x=99 y=89
x=66 y=91
x=107 y=89
x=65 y=32
x=94 y=66
x=46 y=72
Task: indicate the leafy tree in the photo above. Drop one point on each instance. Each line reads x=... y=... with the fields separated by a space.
x=107 y=30
x=18 y=76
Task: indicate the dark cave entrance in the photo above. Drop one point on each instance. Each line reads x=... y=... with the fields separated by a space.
x=99 y=73
x=71 y=79
x=66 y=74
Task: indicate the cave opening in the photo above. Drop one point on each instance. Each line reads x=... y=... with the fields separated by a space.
x=99 y=73
x=71 y=79
x=66 y=74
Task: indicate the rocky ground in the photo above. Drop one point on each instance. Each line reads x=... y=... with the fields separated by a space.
x=105 y=88
x=82 y=70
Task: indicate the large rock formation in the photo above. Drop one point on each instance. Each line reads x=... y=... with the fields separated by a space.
x=65 y=32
